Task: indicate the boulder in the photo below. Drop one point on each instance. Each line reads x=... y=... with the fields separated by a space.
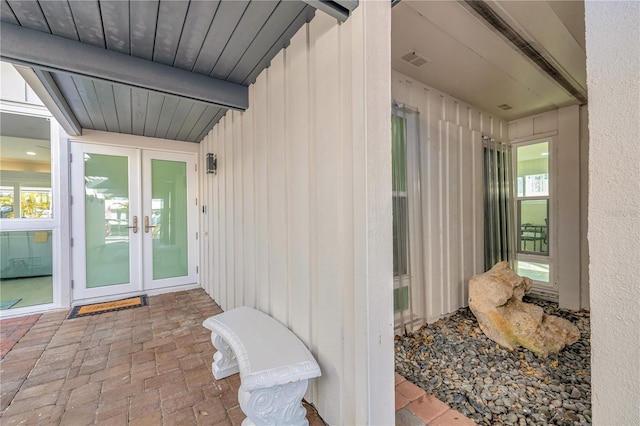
x=495 y=298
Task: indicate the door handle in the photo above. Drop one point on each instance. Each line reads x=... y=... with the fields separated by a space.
x=146 y=225
x=135 y=225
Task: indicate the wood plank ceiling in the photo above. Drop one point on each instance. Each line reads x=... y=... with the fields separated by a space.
x=231 y=40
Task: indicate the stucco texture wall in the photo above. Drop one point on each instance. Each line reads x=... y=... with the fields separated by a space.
x=613 y=80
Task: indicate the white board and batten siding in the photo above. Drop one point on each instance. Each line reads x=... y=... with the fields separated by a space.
x=14 y=88
x=451 y=190
x=298 y=216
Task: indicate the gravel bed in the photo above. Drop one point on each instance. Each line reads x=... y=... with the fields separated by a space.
x=453 y=360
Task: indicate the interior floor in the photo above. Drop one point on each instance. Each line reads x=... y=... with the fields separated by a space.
x=22 y=292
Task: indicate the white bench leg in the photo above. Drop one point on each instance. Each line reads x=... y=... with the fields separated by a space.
x=224 y=361
x=276 y=405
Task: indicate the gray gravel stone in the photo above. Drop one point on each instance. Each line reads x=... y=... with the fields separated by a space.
x=491 y=384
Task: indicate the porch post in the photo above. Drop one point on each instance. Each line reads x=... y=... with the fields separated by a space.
x=373 y=328
x=613 y=66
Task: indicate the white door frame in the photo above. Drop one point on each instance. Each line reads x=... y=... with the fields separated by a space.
x=79 y=290
x=171 y=148
x=192 y=220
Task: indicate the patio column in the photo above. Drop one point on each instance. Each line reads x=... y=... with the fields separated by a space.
x=613 y=66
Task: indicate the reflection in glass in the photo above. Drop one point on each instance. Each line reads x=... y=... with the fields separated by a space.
x=534 y=226
x=106 y=219
x=26 y=269
x=169 y=218
x=533 y=170
x=399 y=188
x=536 y=271
x=25 y=167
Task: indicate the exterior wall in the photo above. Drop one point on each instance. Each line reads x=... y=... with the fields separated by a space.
x=298 y=216
x=14 y=88
x=452 y=191
x=569 y=221
x=613 y=66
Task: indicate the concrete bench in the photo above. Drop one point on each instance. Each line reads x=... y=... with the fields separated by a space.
x=274 y=365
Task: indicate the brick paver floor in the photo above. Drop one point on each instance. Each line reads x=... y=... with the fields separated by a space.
x=144 y=366
x=415 y=408
x=12 y=330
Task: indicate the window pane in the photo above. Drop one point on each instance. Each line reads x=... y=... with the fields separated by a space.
x=399 y=154
x=536 y=271
x=534 y=226
x=533 y=170
x=107 y=219
x=25 y=269
x=400 y=237
x=25 y=167
x=169 y=218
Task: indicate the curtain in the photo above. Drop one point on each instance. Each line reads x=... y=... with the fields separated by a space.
x=498 y=203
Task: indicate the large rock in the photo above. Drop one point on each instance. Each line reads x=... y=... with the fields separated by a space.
x=495 y=298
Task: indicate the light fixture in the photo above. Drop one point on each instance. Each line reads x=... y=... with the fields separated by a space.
x=31 y=153
x=212 y=163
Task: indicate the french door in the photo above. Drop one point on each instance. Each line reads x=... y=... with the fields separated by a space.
x=134 y=214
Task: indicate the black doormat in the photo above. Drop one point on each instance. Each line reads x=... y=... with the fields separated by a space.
x=116 y=305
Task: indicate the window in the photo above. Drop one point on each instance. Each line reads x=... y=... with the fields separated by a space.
x=399 y=188
x=26 y=203
x=532 y=210
x=406 y=206
x=25 y=151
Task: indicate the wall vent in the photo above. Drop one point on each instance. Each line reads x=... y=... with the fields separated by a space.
x=505 y=107
x=415 y=59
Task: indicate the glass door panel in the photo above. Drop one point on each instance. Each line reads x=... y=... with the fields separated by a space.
x=106 y=226
x=106 y=219
x=169 y=219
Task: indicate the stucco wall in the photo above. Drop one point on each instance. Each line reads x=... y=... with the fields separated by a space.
x=298 y=217
x=613 y=67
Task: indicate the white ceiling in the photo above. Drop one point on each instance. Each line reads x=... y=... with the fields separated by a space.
x=471 y=61
x=20 y=134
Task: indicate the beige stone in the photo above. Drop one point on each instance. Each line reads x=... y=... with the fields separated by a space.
x=495 y=298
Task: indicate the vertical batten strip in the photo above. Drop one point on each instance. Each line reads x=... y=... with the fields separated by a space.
x=346 y=222
x=261 y=118
x=277 y=223
x=238 y=196
x=229 y=197
x=329 y=294
x=297 y=68
x=248 y=219
x=217 y=269
x=223 y=166
x=313 y=198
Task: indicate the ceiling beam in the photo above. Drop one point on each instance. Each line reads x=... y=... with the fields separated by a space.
x=47 y=90
x=36 y=49
x=535 y=54
x=339 y=9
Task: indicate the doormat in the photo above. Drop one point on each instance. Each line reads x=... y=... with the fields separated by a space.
x=116 y=305
x=6 y=304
